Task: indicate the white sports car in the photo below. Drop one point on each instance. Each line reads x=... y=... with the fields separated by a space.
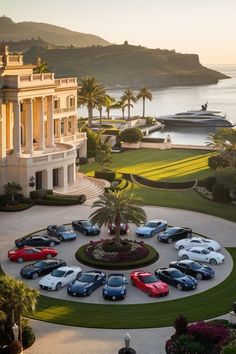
x=59 y=277
x=211 y=245
x=202 y=255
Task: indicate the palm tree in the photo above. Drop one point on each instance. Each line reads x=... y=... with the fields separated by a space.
x=116 y=207
x=20 y=299
x=12 y=188
x=144 y=93
x=225 y=139
x=89 y=93
x=128 y=97
x=109 y=103
x=41 y=67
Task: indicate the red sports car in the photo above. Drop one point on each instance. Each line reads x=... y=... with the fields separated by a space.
x=31 y=254
x=148 y=283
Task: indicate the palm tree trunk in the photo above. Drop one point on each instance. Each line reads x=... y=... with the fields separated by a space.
x=90 y=116
x=128 y=109
x=108 y=113
x=123 y=113
x=12 y=196
x=100 y=116
x=117 y=231
x=143 y=107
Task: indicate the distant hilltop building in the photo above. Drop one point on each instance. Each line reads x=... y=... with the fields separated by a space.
x=39 y=140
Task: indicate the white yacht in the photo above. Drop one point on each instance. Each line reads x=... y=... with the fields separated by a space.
x=202 y=117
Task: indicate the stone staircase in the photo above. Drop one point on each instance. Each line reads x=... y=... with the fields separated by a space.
x=91 y=187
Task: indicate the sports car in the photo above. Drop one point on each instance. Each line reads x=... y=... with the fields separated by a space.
x=149 y=283
x=124 y=228
x=202 y=255
x=59 y=277
x=31 y=254
x=62 y=232
x=85 y=227
x=193 y=268
x=174 y=234
x=151 y=228
x=115 y=288
x=175 y=277
x=211 y=245
x=86 y=283
x=37 y=240
x=34 y=270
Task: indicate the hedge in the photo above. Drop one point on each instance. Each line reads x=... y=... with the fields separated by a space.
x=61 y=200
x=108 y=175
x=153 y=140
x=149 y=259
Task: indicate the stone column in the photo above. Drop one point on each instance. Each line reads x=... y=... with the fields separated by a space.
x=16 y=128
x=74 y=124
x=41 y=141
x=59 y=128
x=29 y=147
x=50 y=123
x=66 y=126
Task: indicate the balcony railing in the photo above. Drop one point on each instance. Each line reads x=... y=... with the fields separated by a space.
x=66 y=82
x=63 y=110
x=30 y=80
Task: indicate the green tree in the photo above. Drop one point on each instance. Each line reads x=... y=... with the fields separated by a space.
x=18 y=298
x=41 y=67
x=127 y=98
x=144 y=94
x=131 y=135
x=109 y=103
x=225 y=140
x=90 y=91
x=116 y=207
x=103 y=155
x=93 y=141
x=12 y=188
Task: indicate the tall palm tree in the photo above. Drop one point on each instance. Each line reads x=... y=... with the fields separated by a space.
x=110 y=102
x=128 y=97
x=90 y=91
x=21 y=299
x=12 y=188
x=144 y=93
x=41 y=67
x=117 y=207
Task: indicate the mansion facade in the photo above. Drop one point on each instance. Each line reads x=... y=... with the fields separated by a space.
x=39 y=140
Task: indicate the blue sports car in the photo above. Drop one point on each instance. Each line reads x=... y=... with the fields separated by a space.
x=151 y=228
x=115 y=288
x=175 y=277
x=64 y=233
x=85 y=227
x=86 y=283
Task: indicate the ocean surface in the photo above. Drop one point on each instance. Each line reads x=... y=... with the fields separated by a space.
x=221 y=96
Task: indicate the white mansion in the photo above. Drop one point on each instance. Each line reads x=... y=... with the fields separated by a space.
x=39 y=140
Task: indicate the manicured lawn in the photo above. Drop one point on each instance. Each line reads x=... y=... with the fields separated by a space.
x=209 y=304
x=165 y=165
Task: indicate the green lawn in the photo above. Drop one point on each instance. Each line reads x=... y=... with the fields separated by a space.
x=209 y=304
x=165 y=165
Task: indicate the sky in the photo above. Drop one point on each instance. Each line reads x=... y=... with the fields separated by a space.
x=203 y=27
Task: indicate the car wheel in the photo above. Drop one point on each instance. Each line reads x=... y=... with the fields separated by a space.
x=149 y=293
x=185 y=256
x=52 y=244
x=170 y=240
x=152 y=233
x=211 y=249
x=89 y=292
x=35 y=275
x=181 y=247
x=132 y=282
x=213 y=261
x=58 y=286
x=20 y=260
x=199 y=276
x=49 y=256
x=179 y=287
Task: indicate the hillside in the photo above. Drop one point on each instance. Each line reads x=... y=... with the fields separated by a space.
x=59 y=36
x=120 y=66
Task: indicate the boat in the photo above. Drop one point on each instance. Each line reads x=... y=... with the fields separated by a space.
x=202 y=117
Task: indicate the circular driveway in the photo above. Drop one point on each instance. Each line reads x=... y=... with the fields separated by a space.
x=61 y=339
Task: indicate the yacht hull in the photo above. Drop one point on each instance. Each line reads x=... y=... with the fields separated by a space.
x=195 y=122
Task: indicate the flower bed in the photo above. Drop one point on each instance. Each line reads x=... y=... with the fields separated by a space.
x=102 y=254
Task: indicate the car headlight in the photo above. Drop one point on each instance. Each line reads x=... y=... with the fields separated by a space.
x=122 y=291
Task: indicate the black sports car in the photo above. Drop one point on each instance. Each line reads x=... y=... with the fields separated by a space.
x=85 y=227
x=194 y=269
x=64 y=233
x=86 y=283
x=176 y=278
x=34 y=270
x=174 y=234
x=37 y=240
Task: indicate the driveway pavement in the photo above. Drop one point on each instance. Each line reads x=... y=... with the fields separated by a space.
x=59 y=339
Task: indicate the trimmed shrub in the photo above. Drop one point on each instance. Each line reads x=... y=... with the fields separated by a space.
x=28 y=337
x=40 y=193
x=153 y=140
x=109 y=246
x=220 y=193
x=131 y=135
x=82 y=198
x=108 y=175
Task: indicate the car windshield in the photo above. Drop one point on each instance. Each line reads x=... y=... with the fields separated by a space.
x=150 y=279
x=150 y=224
x=63 y=228
x=196 y=265
x=115 y=282
x=86 y=278
x=205 y=251
x=206 y=241
x=40 y=264
x=36 y=250
x=58 y=273
x=86 y=223
x=176 y=274
x=172 y=230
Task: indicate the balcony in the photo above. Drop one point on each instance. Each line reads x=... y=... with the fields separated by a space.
x=66 y=82
x=28 y=81
x=75 y=138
